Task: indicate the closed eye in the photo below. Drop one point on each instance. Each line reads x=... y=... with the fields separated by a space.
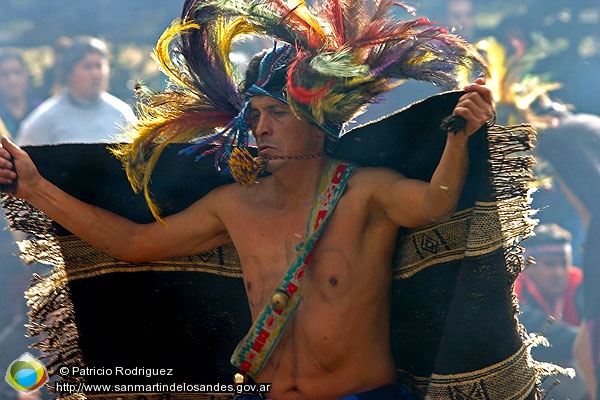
x=252 y=118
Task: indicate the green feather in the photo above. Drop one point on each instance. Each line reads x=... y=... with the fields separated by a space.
x=338 y=63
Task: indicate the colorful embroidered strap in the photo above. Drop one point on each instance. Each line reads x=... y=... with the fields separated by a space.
x=253 y=351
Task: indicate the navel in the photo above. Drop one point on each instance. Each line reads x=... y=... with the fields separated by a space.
x=333 y=281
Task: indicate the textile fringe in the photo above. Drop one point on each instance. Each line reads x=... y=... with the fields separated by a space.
x=51 y=314
x=512 y=174
x=511 y=169
x=546 y=368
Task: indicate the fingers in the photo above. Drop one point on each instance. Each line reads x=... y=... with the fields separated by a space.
x=479 y=87
x=6 y=180
x=5 y=155
x=7 y=168
x=475 y=106
x=8 y=146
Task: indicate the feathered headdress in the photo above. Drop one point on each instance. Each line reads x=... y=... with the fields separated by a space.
x=338 y=55
x=513 y=83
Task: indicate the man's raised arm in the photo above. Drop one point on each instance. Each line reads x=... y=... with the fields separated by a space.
x=115 y=235
x=413 y=203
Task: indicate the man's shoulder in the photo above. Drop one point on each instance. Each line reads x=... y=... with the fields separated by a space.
x=367 y=175
x=218 y=200
x=226 y=193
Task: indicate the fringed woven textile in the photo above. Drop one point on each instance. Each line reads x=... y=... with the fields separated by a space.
x=455 y=331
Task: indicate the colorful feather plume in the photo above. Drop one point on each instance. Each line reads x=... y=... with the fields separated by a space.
x=348 y=52
x=512 y=79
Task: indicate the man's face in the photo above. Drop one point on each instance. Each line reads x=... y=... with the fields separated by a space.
x=550 y=270
x=279 y=132
x=89 y=77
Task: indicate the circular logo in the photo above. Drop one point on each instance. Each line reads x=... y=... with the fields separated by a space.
x=26 y=374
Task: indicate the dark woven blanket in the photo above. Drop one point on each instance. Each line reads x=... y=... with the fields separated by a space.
x=454 y=328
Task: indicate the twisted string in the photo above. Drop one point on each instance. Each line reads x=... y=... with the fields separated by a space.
x=245 y=168
x=294 y=157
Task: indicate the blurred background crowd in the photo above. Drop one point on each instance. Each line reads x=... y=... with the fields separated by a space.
x=68 y=71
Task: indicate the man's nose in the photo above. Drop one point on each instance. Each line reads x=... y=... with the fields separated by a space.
x=262 y=127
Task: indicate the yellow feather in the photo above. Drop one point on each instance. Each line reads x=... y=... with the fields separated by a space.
x=361 y=80
x=162 y=54
x=302 y=11
x=523 y=101
x=228 y=32
x=321 y=108
x=495 y=56
x=427 y=57
x=463 y=75
x=223 y=43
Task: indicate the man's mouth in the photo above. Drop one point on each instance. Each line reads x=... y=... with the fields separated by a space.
x=265 y=148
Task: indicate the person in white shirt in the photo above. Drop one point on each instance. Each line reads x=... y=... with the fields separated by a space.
x=83 y=111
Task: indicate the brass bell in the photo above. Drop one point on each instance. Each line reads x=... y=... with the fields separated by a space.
x=279 y=299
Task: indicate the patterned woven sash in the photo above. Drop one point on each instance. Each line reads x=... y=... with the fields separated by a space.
x=254 y=350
